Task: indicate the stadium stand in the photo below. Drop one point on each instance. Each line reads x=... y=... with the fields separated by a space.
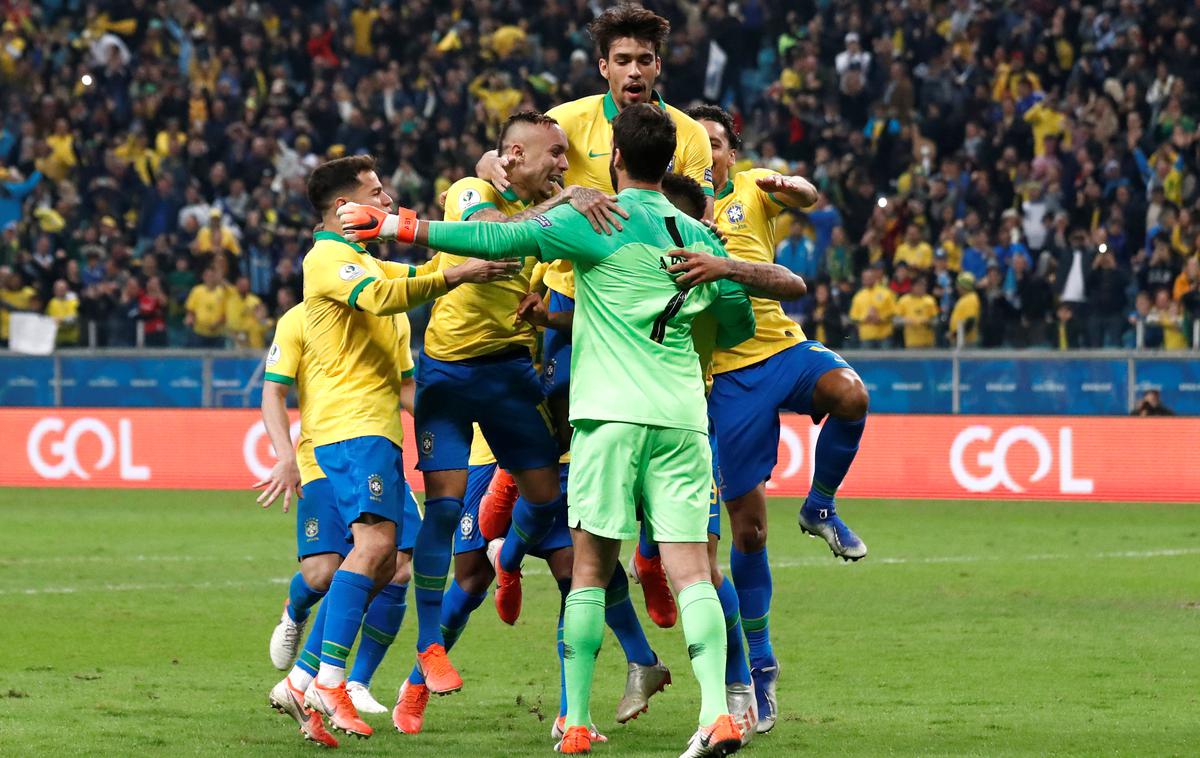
x=1047 y=150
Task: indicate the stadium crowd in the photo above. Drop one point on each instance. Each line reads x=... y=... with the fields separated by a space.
x=1014 y=174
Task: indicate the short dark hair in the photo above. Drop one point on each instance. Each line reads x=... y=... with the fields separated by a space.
x=628 y=20
x=685 y=193
x=718 y=116
x=645 y=135
x=334 y=177
x=534 y=118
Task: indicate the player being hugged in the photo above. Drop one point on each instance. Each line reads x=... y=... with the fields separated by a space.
x=637 y=402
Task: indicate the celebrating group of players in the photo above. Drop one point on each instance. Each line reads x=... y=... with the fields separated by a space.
x=656 y=350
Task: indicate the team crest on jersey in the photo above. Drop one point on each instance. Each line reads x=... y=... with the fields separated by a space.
x=273 y=354
x=375 y=485
x=426 y=443
x=736 y=213
x=468 y=198
x=351 y=271
x=466 y=525
x=311 y=528
x=551 y=366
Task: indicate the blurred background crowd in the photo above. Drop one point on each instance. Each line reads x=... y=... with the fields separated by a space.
x=1019 y=174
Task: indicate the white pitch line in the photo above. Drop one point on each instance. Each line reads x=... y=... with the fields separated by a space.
x=182 y=558
x=537 y=570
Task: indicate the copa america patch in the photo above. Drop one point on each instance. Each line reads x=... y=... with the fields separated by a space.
x=551 y=365
x=468 y=198
x=375 y=485
x=311 y=528
x=466 y=525
x=351 y=271
x=427 y=443
x=708 y=175
x=273 y=354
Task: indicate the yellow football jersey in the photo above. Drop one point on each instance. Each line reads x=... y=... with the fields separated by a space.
x=883 y=300
x=351 y=337
x=588 y=125
x=477 y=319
x=746 y=216
x=923 y=308
x=286 y=364
x=209 y=309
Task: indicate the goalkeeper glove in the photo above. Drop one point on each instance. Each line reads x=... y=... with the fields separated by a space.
x=364 y=222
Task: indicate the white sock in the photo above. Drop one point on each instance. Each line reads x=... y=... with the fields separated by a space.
x=330 y=676
x=299 y=678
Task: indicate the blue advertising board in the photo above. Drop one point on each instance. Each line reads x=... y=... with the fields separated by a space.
x=907 y=386
x=26 y=380
x=132 y=382
x=230 y=377
x=1178 y=381
x=1089 y=387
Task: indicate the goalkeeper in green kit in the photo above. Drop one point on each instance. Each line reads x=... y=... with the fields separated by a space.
x=636 y=397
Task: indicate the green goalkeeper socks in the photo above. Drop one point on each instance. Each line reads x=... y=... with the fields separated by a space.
x=583 y=630
x=704 y=631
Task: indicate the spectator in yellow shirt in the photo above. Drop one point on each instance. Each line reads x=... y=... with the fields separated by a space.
x=206 y=311
x=362 y=19
x=15 y=296
x=1188 y=279
x=872 y=310
x=500 y=100
x=246 y=316
x=966 y=312
x=914 y=251
x=64 y=309
x=216 y=237
x=918 y=312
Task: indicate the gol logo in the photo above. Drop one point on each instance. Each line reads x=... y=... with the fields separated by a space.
x=250 y=445
x=995 y=461
x=65 y=450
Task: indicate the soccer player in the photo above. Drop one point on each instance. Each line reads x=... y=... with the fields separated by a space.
x=321 y=534
x=473 y=575
x=477 y=367
x=637 y=402
x=349 y=301
x=779 y=369
x=628 y=39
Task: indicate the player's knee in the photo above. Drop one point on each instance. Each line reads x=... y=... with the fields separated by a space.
x=750 y=537
x=472 y=572
x=403 y=572
x=318 y=573
x=851 y=398
x=539 y=485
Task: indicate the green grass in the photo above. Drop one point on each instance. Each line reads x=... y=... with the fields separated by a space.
x=135 y=623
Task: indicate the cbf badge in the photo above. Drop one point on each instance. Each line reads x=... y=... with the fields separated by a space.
x=311 y=528
x=426 y=443
x=375 y=485
x=736 y=213
x=466 y=525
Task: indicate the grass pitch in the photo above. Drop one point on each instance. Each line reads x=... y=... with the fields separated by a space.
x=136 y=623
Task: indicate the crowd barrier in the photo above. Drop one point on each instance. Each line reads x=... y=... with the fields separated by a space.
x=902 y=456
x=1091 y=383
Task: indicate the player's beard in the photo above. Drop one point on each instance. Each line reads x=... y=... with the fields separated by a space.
x=612 y=168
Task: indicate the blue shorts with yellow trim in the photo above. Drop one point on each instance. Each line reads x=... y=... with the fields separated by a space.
x=745 y=404
x=501 y=393
x=320 y=528
x=366 y=475
x=714 y=503
x=468 y=537
x=556 y=350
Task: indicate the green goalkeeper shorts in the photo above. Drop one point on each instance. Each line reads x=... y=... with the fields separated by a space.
x=615 y=466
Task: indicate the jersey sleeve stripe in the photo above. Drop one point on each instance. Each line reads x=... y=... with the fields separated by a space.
x=407 y=373
x=778 y=202
x=475 y=209
x=709 y=191
x=352 y=301
x=279 y=378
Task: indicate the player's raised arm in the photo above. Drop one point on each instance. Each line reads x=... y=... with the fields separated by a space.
x=790 y=191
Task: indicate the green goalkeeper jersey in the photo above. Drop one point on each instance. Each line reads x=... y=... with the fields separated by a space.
x=633 y=358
